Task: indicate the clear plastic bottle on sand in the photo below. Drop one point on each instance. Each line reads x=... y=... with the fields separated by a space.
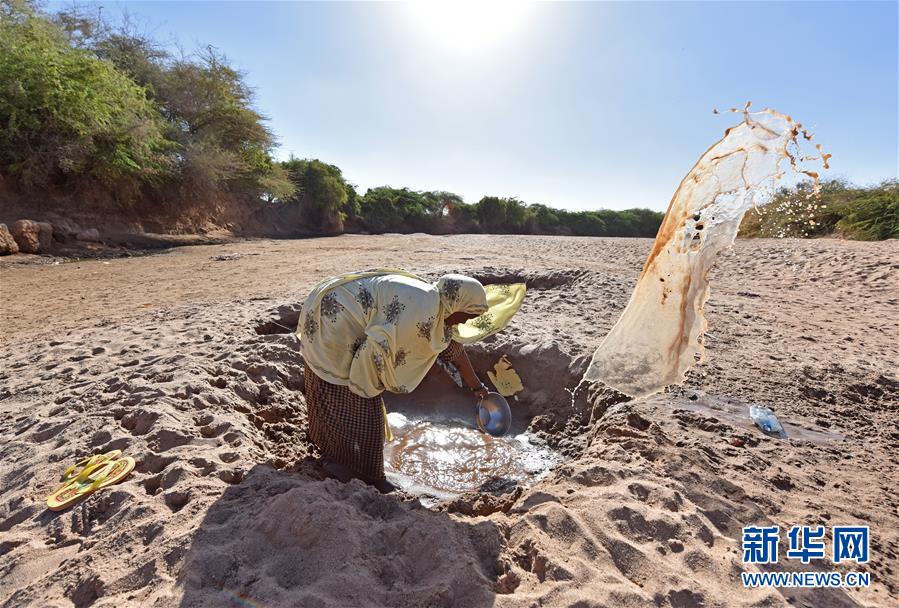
x=765 y=419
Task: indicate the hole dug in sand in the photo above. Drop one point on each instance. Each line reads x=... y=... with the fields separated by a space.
x=440 y=455
x=282 y=320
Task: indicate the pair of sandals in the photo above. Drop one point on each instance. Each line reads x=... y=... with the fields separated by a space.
x=89 y=475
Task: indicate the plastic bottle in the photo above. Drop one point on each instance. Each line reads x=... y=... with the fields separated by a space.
x=765 y=419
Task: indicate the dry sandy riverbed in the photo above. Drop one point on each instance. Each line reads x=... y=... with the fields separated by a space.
x=177 y=359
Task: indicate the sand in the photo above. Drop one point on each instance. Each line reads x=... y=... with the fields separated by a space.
x=176 y=359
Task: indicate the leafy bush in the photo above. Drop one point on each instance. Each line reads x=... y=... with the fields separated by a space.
x=223 y=143
x=68 y=115
x=505 y=215
x=387 y=209
x=84 y=104
x=873 y=215
x=584 y=223
x=321 y=193
x=839 y=208
x=546 y=219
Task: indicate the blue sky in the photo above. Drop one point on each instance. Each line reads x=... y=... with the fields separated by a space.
x=576 y=105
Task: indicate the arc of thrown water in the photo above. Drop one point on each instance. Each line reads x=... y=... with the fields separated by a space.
x=659 y=336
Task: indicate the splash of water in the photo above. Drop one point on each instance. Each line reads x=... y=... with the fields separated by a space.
x=660 y=333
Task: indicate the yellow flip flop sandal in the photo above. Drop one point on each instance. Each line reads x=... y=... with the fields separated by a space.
x=89 y=468
x=121 y=468
x=92 y=478
x=82 y=464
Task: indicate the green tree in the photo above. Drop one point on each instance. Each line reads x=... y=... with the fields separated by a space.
x=838 y=207
x=223 y=144
x=590 y=223
x=546 y=219
x=491 y=212
x=387 y=209
x=460 y=217
x=519 y=217
x=872 y=215
x=69 y=117
x=321 y=192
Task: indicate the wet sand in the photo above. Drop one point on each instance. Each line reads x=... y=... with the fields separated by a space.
x=177 y=359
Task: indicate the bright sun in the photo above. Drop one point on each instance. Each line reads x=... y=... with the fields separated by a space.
x=465 y=26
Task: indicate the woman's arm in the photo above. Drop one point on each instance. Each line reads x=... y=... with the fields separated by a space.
x=463 y=363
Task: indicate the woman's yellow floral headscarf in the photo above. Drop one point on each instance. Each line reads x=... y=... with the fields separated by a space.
x=503 y=301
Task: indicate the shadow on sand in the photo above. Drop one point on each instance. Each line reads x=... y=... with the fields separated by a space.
x=297 y=539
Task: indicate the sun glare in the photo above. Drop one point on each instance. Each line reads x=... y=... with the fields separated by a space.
x=466 y=27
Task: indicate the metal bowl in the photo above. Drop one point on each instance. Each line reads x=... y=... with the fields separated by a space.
x=494 y=415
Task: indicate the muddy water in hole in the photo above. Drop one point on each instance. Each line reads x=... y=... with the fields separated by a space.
x=445 y=459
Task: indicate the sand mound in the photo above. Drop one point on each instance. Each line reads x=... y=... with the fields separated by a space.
x=283 y=540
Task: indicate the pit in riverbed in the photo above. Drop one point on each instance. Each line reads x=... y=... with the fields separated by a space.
x=439 y=454
x=442 y=460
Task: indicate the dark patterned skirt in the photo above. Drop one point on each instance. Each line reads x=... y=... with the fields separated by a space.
x=348 y=428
